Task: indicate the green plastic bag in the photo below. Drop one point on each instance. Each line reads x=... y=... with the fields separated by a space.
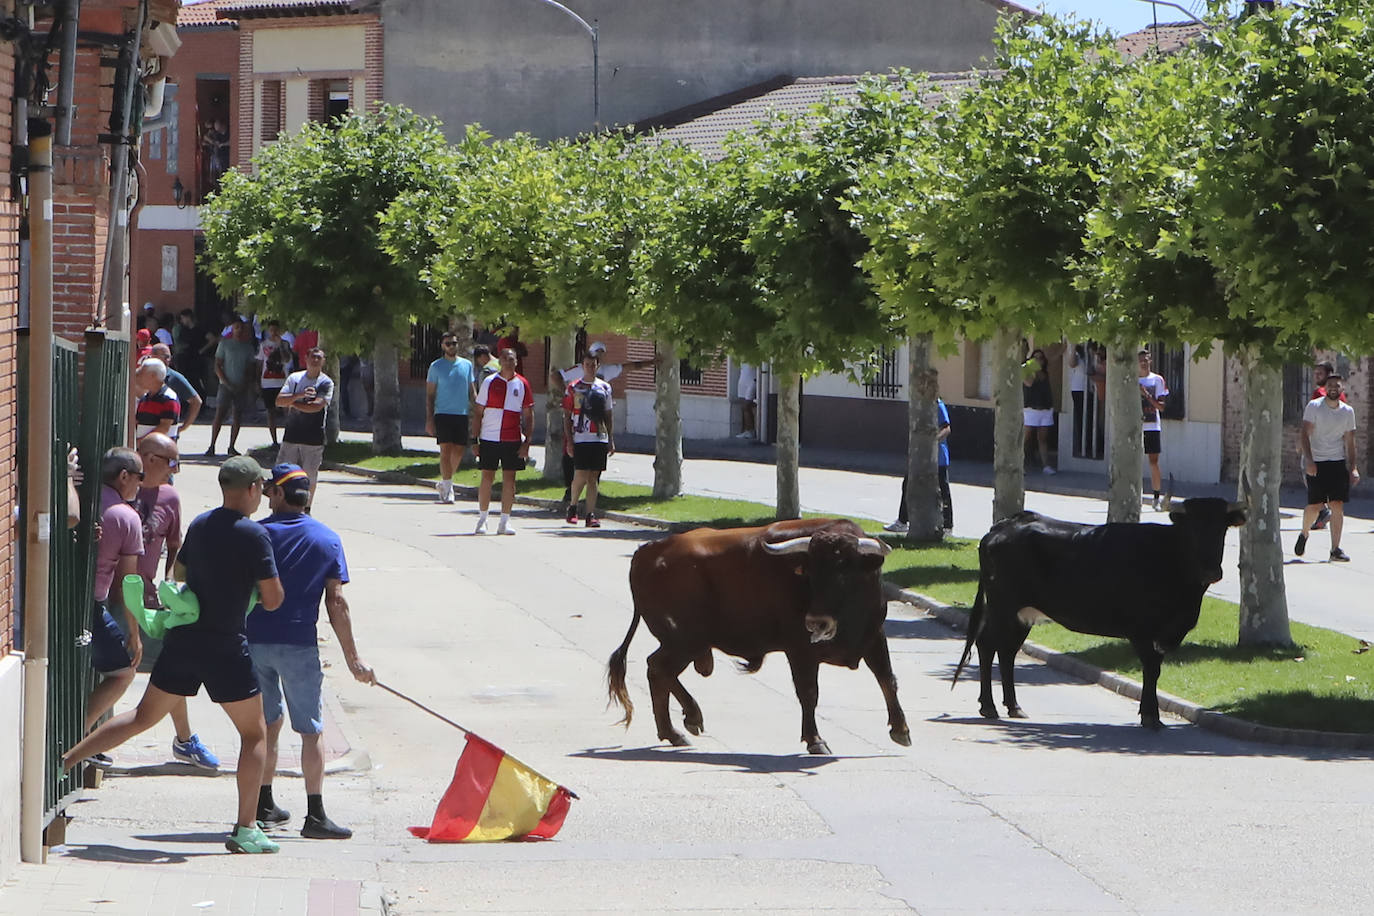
x=179 y=606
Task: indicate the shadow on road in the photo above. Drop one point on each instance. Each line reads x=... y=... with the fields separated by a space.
x=103 y=853
x=1174 y=740
x=921 y=628
x=744 y=763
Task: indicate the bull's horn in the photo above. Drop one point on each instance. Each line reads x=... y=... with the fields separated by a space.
x=791 y=545
x=1169 y=494
x=874 y=546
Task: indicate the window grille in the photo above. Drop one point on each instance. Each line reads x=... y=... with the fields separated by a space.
x=690 y=378
x=884 y=384
x=1172 y=363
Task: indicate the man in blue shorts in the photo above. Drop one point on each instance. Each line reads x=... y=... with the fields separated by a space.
x=224 y=555
x=285 y=647
x=448 y=391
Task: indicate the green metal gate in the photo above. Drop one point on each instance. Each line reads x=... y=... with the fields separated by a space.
x=93 y=420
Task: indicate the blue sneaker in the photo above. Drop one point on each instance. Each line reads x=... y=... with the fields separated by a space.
x=193 y=752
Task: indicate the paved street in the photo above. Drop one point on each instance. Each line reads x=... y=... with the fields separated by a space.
x=1073 y=810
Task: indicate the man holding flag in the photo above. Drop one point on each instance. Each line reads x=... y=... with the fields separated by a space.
x=284 y=646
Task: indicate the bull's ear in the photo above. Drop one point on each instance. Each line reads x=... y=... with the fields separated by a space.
x=871 y=561
x=1235 y=518
x=1178 y=516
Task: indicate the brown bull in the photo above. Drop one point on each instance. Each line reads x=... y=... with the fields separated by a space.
x=809 y=588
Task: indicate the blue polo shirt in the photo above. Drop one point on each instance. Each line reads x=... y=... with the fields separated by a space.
x=452 y=382
x=308 y=554
x=941 y=421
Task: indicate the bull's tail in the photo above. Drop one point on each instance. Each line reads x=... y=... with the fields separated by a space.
x=615 y=675
x=976 y=618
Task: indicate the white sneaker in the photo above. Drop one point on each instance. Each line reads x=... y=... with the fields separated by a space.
x=481 y=527
x=1048 y=471
x=504 y=529
x=896 y=527
x=445 y=491
x=744 y=435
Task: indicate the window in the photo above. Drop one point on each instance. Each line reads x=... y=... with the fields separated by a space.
x=691 y=378
x=884 y=383
x=273 y=109
x=1172 y=363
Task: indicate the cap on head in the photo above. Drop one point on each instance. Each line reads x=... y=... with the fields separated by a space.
x=239 y=472
x=290 y=477
x=597 y=349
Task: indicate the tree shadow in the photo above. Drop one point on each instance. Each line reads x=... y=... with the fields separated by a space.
x=920 y=628
x=100 y=852
x=1298 y=710
x=801 y=764
x=1173 y=740
x=600 y=534
x=918 y=576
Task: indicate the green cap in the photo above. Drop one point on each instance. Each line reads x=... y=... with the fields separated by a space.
x=239 y=472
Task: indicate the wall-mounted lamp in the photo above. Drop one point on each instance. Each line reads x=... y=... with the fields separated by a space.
x=178 y=193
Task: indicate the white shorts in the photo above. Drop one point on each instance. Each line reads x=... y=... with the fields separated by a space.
x=1033 y=416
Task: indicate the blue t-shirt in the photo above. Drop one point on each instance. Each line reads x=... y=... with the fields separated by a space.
x=453 y=381
x=941 y=421
x=179 y=383
x=225 y=554
x=308 y=554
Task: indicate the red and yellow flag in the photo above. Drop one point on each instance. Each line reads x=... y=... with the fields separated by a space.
x=495 y=797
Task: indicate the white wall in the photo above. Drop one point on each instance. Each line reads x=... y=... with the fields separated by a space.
x=702 y=417
x=11 y=727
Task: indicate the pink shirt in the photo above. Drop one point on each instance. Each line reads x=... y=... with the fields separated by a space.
x=160 y=510
x=121 y=535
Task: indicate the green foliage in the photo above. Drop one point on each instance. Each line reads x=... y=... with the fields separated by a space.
x=298 y=236
x=1284 y=201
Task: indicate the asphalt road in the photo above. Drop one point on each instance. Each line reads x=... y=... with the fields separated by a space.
x=1075 y=809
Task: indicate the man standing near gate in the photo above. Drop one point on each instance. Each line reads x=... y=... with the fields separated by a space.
x=285 y=646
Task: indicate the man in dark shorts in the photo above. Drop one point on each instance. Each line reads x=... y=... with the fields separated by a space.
x=448 y=392
x=1328 y=451
x=223 y=556
x=236 y=366
x=588 y=435
x=504 y=417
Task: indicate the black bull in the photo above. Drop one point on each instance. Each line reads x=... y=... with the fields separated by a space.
x=809 y=588
x=1140 y=582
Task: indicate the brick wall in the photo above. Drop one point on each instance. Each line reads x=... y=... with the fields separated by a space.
x=246 y=115
x=715 y=378
x=373 y=63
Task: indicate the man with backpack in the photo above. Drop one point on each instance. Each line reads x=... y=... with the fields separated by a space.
x=587 y=435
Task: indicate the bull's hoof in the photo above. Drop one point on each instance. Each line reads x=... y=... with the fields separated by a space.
x=1016 y=712
x=818 y=747
x=988 y=711
x=901 y=736
x=676 y=740
x=695 y=726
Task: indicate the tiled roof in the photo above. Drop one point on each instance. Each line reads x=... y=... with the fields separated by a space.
x=204 y=15
x=1165 y=37
x=246 y=9
x=704 y=126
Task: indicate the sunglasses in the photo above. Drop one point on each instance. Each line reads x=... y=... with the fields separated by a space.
x=138 y=474
x=171 y=462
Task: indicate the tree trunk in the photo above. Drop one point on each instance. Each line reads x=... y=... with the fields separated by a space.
x=1127 y=447
x=562 y=352
x=333 y=412
x=789 y=445
x=925 y=520
x=386 y=416
x=667 y=421
x=1008 y=447
x=1263 y=599
x=461 y=325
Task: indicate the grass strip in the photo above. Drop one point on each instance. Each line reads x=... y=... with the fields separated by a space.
x=1325 y=682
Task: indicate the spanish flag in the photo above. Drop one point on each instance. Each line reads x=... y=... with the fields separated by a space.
x=495 y=797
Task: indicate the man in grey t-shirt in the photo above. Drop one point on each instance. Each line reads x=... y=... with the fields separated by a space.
x=238 y=371
x=1328 y=453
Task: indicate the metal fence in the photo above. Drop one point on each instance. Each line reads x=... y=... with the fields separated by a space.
x=93 y=420
x=884 y=383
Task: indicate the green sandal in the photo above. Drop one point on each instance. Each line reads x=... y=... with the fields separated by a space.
x=250 y=840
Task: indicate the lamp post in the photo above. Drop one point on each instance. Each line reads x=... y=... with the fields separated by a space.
x=590 y=29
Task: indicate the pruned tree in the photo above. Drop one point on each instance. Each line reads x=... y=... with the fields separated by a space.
x=299 y=237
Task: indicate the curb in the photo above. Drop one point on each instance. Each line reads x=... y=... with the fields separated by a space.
x=1201 y=716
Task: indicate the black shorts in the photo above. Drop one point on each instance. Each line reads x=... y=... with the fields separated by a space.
x=1331 y=484
x=451 y=428
x=108 y=652
x=503 y=455
x=590 y=456
x=269 y=399
x=1152 y=442
x=219 y=661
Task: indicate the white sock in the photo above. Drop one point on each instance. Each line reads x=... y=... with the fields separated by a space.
x=505 y=520
x=481 y=519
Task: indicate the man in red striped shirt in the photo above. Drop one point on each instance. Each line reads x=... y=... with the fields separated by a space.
x=504 y=419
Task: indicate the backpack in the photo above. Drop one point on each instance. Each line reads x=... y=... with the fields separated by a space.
x=594 y=405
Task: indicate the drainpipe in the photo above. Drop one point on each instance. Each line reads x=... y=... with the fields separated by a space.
x=116 y=245
x=69 y=13
x=38 y=496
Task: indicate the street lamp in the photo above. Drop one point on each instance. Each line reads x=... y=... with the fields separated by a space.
x=590 y=29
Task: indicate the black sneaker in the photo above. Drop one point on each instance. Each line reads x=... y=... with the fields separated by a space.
x=1339 y=556
x=1323 y=517
x=322 y=828
x=1301 y=545
x=271 y=817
